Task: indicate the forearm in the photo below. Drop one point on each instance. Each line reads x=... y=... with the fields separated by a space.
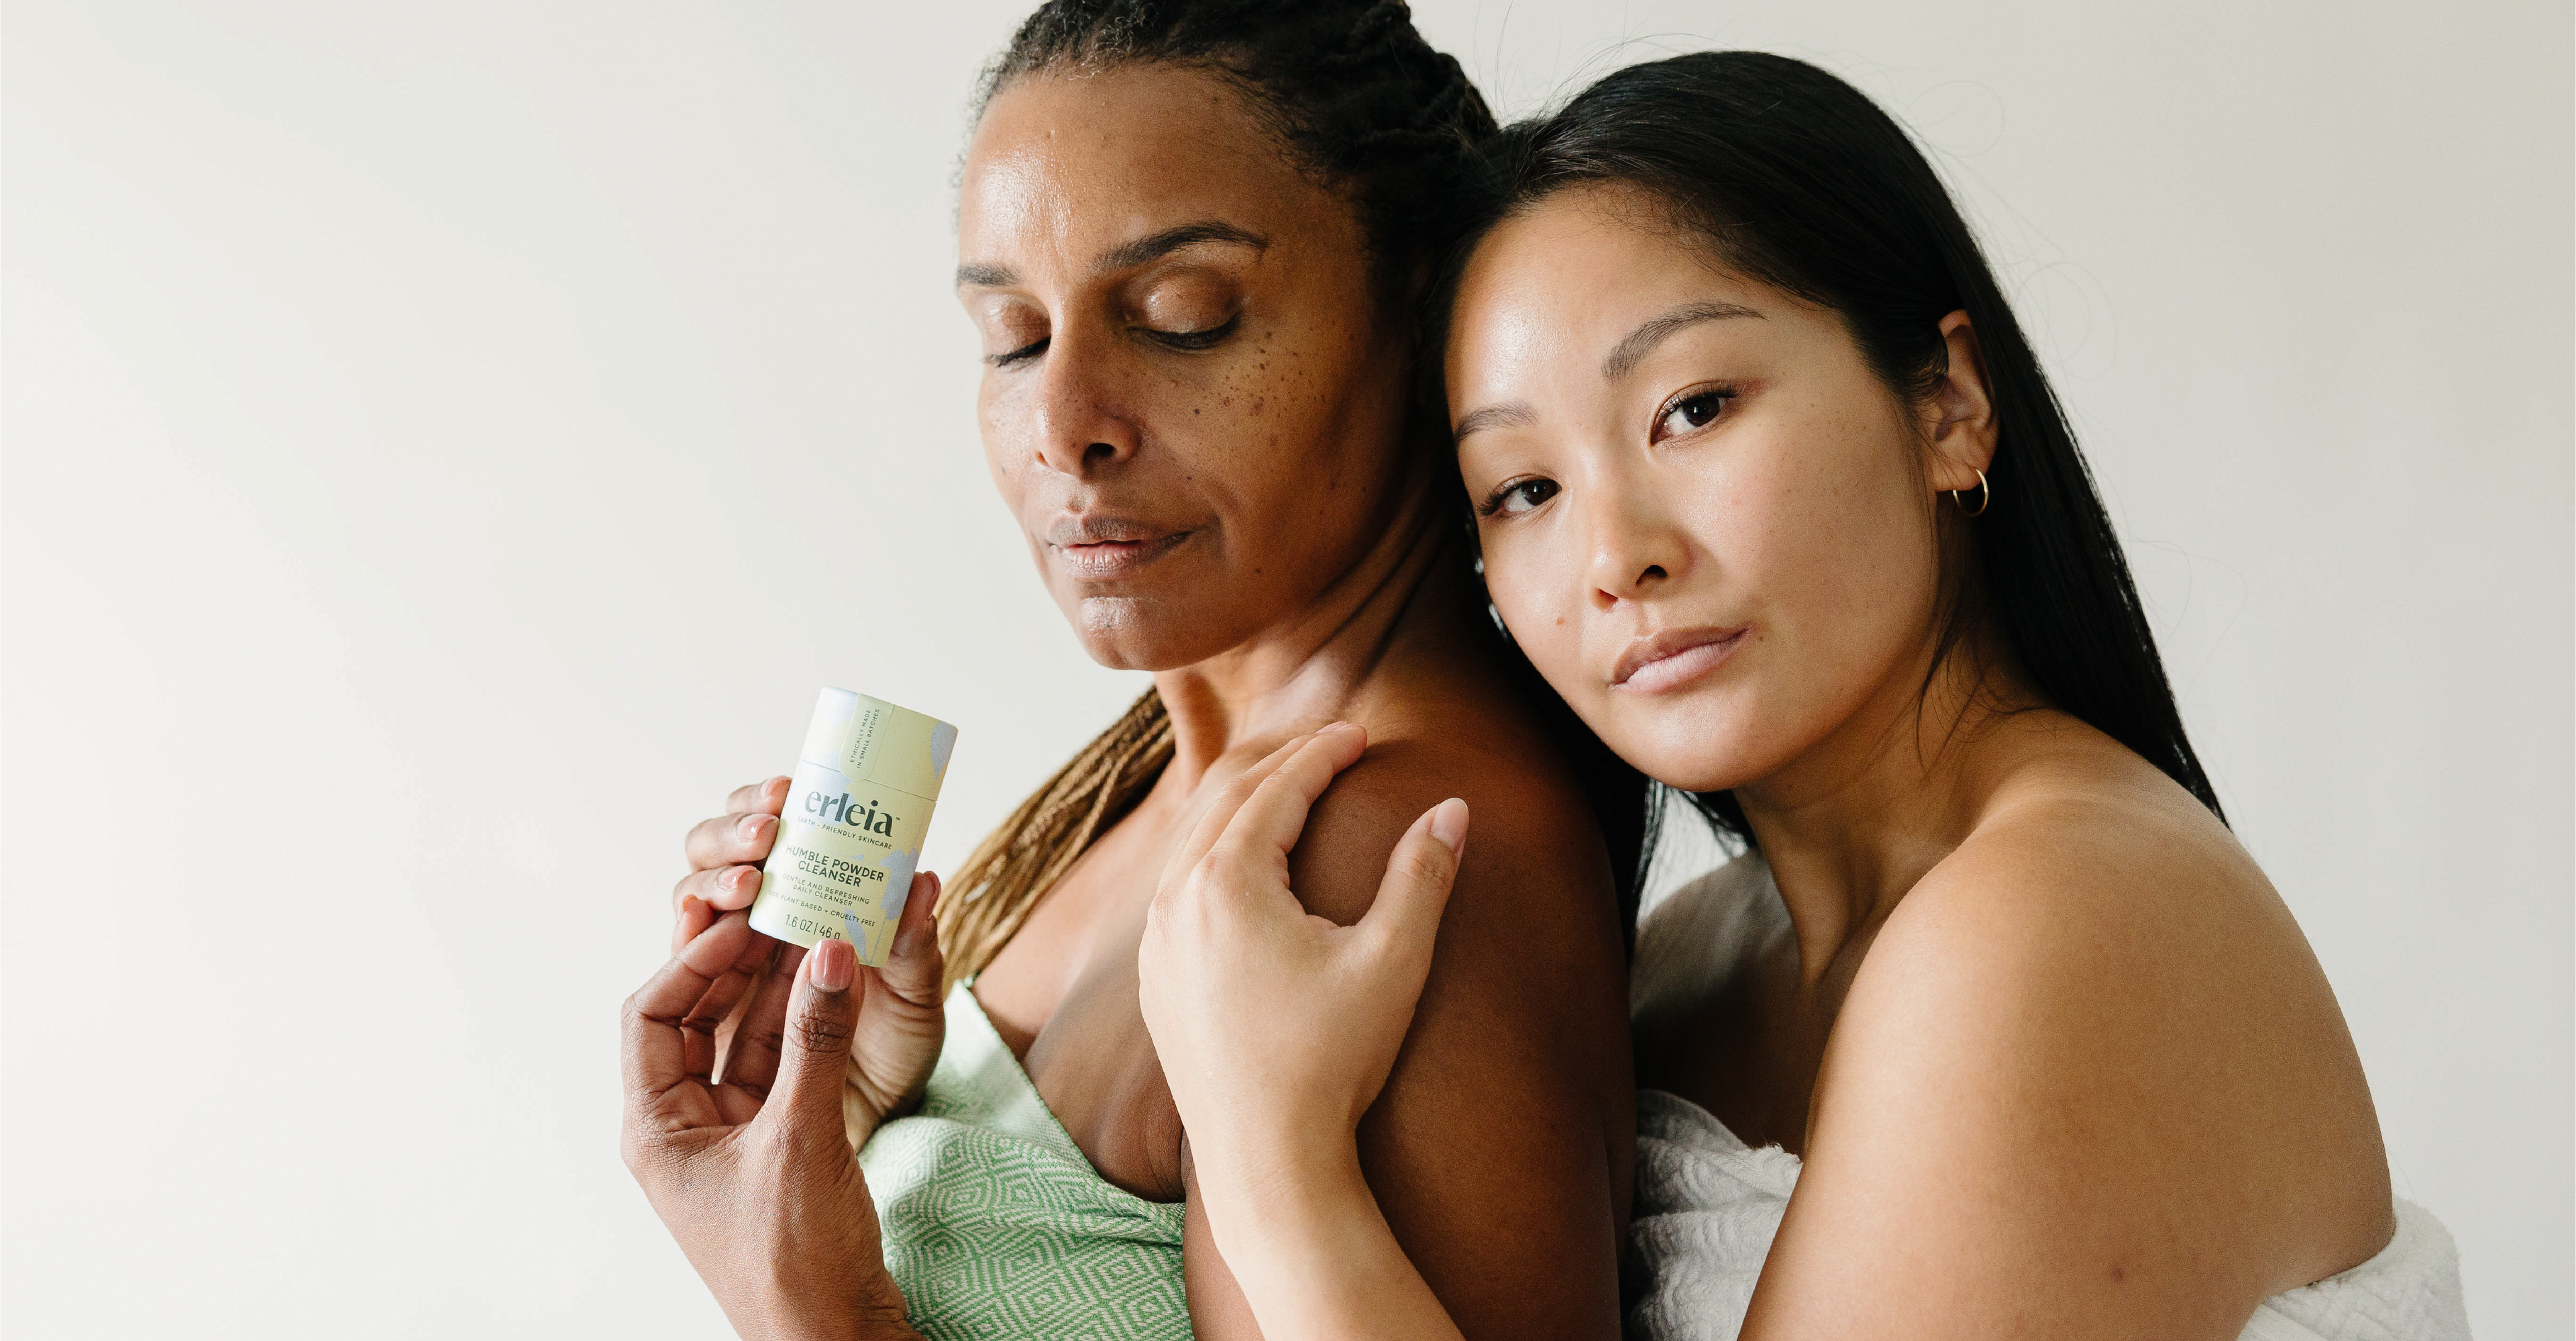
x=1312 y=1251
x=877 y=1315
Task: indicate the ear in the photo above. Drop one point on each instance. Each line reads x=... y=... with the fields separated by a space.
x=1959 y=419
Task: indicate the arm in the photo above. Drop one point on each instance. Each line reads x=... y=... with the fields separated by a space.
x=1277 y=1028
x=2078 y=1089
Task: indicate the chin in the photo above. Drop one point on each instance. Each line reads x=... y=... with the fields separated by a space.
x=1147 y=633
x=1701 y=744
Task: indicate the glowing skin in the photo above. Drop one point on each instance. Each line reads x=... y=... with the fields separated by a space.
x=1192 y=414
x=1698 y=538
x=2023 y=961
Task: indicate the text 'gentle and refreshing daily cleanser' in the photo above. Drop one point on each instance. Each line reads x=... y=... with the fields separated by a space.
x=857 y=808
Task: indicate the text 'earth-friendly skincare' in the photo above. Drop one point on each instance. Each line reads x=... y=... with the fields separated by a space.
x=857 y=807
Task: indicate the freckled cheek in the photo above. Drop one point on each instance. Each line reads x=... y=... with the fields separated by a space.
x=1006 y=448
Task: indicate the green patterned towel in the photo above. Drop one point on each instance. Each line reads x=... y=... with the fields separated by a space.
x=995 y=1223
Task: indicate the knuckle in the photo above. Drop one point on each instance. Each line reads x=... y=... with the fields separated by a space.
x=761 y=1036
x=1423 y=868
x=815 y=1031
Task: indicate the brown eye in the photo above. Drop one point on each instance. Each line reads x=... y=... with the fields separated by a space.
x=1693 y=411
x=1520 y=496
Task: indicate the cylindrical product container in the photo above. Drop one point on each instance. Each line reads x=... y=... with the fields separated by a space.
x=856 y=810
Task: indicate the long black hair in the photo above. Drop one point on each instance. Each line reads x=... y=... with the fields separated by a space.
x=1360 y=102
x=1797 y=180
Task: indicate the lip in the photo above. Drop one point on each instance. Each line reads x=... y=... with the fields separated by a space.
x=1674 y=658
x=1105 y=549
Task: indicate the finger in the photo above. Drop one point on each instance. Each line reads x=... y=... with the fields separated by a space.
x=821 y=1015
x=1209 y=827
x=701 y=1049
x=655 y=1050
x=731 y=840
x=767 y=797
x=723 y=888
x=689 y=921
x=912 y=969
x=1401 y=925
x=1269 y=822
x=751 y=1054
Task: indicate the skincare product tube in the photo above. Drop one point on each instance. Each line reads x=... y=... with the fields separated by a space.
x=856 y=810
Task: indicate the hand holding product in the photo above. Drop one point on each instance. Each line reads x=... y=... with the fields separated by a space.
x=752 y=1173
x=850 y=833
x=743 y=1117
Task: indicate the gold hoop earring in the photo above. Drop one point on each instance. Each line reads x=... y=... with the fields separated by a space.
x=1985 y=497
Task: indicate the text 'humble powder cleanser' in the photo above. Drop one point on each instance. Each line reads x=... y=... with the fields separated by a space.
x=857 y=807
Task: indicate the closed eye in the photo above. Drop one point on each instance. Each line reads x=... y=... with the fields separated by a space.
x=1515 y=497
x=1023 y=354
x=1191 y=341
x=1691 y=410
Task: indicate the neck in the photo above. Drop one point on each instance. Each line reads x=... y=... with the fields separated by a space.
x=1857 y=820
x=1410 y=585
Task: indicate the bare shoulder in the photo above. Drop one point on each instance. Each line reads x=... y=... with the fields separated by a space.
x=2096 y=880
x=1530 y=827
x=1530 y=946
x=2094 y=1045
x=1500 y=1146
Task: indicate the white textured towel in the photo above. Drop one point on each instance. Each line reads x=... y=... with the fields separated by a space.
x=1708 y=1205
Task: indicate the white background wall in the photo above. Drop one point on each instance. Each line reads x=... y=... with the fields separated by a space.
x=409 y=411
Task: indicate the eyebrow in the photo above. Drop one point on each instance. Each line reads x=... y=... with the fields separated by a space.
x=1509 y=414
x=1640 y=342
x=1127 y=256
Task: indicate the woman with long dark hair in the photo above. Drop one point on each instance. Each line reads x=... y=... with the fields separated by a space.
x=1995 y=1030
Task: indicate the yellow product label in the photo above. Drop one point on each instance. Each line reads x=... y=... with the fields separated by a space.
x=857 y=807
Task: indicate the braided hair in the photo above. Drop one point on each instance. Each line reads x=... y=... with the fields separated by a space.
x=1348 y=87
x=1362 y=104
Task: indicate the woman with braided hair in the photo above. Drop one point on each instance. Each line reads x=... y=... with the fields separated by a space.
x=1193 y=238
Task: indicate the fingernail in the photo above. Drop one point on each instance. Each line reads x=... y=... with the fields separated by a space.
x=1449 y=824
x=832 y=961
x=749 y=828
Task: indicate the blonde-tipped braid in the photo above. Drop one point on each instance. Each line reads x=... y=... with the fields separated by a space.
x=993 y=892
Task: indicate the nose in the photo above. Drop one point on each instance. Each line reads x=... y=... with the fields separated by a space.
x=1080 y=428
x=1634 y=545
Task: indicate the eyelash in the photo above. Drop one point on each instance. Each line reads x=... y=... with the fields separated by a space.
x=1193 y=341
x=1503 y=493
x=1018 y=356
x=1721 y=395
x=1181 y=341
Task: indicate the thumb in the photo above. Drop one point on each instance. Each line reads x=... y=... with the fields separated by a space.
x=1419 y=873
x=821 y=1015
